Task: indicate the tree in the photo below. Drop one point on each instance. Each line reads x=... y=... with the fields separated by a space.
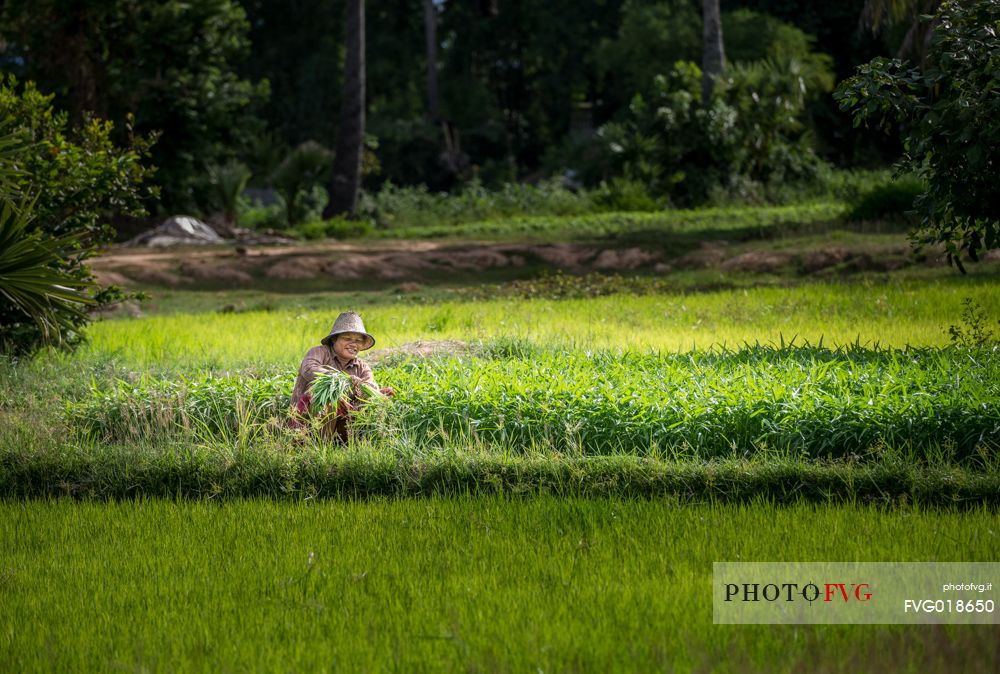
x=949 y=115
x=170 y=63
x=430 y=31
x=713 y=55
x=351 y=129
x=880 y=13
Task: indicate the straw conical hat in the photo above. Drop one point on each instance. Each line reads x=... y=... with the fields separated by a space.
x=348 y=322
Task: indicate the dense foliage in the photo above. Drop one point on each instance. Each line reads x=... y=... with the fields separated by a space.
x=252 y=79
x=169 y=63
x=751 y=133
x=59 y=186
x=950 y=116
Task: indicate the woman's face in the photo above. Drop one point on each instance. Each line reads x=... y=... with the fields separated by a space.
x=348 y=344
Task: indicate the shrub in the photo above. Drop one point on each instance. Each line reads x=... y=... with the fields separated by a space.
x=264 y=216
x=975 y=329
x=393 y=206
x=895 y=199
x=73 y=179
x=621 y=194
x=298 y=180
x=226 y=183
x=78 y=174
x=948 y=115
x=42 y=301
x=752 y=131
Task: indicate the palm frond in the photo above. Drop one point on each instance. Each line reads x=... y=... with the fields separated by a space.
x=30 y=280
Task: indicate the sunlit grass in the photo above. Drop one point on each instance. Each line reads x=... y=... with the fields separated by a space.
x=915 y=313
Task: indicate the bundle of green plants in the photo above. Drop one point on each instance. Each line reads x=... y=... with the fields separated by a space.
x=328 y=389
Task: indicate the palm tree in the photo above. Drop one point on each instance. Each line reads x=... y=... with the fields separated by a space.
x=713 y=55
x=879 y=13
x=351 y=128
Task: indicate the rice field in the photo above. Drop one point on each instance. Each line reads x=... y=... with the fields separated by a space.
x=890 y=314
x=549 y=498
x=460 y=584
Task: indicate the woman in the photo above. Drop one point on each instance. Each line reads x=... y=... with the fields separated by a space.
x=337 y=351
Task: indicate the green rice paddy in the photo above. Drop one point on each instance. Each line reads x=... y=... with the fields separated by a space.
x=495 y=584
x=914 y=313
x=548 y=498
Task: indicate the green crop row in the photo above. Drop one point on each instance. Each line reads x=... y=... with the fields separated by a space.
x=754 y=220
x=938 y=404
x=809 y=401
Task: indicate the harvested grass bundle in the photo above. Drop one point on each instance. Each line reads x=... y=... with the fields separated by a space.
x=330 y=387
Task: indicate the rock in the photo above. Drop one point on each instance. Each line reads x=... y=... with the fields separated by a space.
x=177 y=230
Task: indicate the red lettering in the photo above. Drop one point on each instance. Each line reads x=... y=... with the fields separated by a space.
x=831 y=589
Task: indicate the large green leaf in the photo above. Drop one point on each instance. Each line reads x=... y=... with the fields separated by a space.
x=30 y=278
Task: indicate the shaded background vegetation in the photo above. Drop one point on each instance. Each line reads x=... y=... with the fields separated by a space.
x=525 y=87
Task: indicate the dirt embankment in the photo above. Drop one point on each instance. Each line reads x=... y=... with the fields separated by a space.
x=391 y=261
x=414 y=261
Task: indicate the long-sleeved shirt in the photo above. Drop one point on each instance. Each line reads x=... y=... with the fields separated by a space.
x=322 y=357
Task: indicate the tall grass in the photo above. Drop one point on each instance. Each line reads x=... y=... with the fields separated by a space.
x=212 y=406
x=460 y=584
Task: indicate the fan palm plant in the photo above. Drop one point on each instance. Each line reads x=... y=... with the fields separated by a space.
x=32 y=286
x=36 y=289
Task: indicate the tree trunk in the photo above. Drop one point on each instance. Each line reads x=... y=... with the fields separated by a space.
x=351 y=128
x=713 y=55
x=430 y=36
